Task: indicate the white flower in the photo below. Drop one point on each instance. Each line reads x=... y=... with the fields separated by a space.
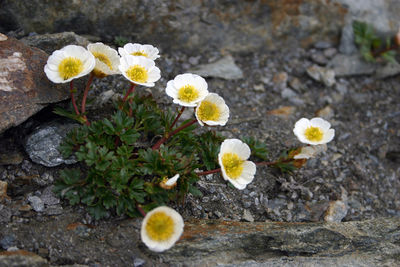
x=314 y=132
x=169 y=183
x=310 y=151
x=161 y=228
x=145 y=50
x=187 y=89
x=69 y=63
x=139 y=70
x=107 y=59
x=212 y=110
x=235 y=167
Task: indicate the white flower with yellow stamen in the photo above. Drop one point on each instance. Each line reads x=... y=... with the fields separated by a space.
x=310 y=151
x=161 y=228
x=314 y=132
x=212 y=110
x=145 y=50
x=187 y=89
x=169 y=183
x=235 y=167
x=139 y=70
x=107 y=59
x=69 y=63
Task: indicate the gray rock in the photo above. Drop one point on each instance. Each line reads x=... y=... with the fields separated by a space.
x=5 y=213
x=48 y=196
x=224 y=68
x=247 y=216
x=319 y=58
x=137 y=262
x=22 y=258
x=36 y=203
x=337 y=210
x=324 y=75
x=50 y=42
x=54 y=210
x=7 y=241
x=347 y=45
x=389 y=70
x=367 y=243
x=42 y=145
x=345 y=65
x=330 y=52
x=322 y=45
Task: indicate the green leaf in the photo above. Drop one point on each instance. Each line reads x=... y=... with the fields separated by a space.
x=195 y=192
x=68 y=114
x=97 y=211
x=70 y=176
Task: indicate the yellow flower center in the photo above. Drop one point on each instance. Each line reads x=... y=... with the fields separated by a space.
x=188 y=93
x=233 y=165
x=103 y=58
x=208 y=111
x=137 y=73
x=313 y=134
x=70 y=67
x=160 y=226
x=139 y=53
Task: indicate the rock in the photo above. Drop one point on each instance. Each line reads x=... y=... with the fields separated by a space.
x=48 y=197
x=23 y=89
x=322 y=45
x=259 y=88
x=36 y=203
x=347 y=45
x=247 y=216
x=330 y=52
x=102 y=99
x=296 y=84
x=326 y=113
x=345 y=65
x=51 y=42
x=324 y=75
x=280 y=80
x=5 y=214
x=42 y=145
x=138 y=262
x=336 y=211
x=21 y=258
x=3 y=190
x=367 y=243
x=319 y=58
x=7 y=241
x=224 y=68
x=389 y=70
x=183 y=25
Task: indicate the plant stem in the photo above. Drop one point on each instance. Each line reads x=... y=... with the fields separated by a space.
x=167 y=136
x=71 y=90
x=176 y=119
x=140 y=209
x=378 y=53
x=208 y=172
x=130 y=91
x=85 y=93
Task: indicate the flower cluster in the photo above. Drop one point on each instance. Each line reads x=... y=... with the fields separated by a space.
x=122 y=177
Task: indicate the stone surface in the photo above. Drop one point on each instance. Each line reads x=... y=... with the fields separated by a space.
x=366 y=243
x=388 y=70
x=23 y=89
x=42 y=145
x=324 y=75
x=51 y=42
x=22 y=258
x=224 y=68
x=233 y=25
x=36 y=203
x=345 y=65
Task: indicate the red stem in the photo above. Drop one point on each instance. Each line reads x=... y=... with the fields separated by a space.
x=165 y=138
x=130 y=91
x=85 y=93
x=139 y=208
x=71 y=90
x=177 y=117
